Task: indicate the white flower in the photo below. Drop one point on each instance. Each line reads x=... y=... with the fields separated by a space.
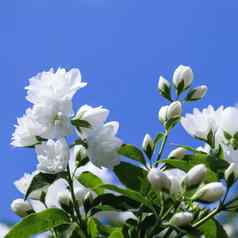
x=182 y=219
x=51 y=86
x=210 y=192
x=27 y=130
x=147 y=142
x=197 y=93
x=64 y=198
x=177 y=153
x=23 y=184
x=159 y=180
x=183 y=73
x=53 y=156
x=163 y=84
x=232 y=170
x=200 y=123
x=4 y=229
x=176 y=177
x=195 y=175
x=80 y=194
x=21 y=208
x=230 y=154
x=96 y=116
x=229 y=121
x=171 y=111
x=103 y=145
x=55 y=118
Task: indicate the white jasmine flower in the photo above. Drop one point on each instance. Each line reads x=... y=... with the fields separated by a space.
x=195 y=175
x=53 y=156
x=200 y=123
x=182 y=219
x=163 y=84
x=24 y=182
x=64 y=198
x=80 y=194
x=176 y=177
x=55 y=118
x=197 y=93
x=183 y=73
x=4 y=229
x=159 y=180
x=230 y=154
x=21 y=208
x=210 y=192
x=96 y=116
x=232 y=170
x=27 y=130
x=147 y=143
x=103 y=145
x=177 y=153
x=51 y=86
x=229 y=121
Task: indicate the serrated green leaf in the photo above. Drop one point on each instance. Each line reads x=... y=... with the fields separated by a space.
x=130 y=175
x=130 y=151
x=91 y=181
x=38 y=223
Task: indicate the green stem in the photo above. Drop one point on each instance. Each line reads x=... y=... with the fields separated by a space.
x=166 y=134
x=75 y=203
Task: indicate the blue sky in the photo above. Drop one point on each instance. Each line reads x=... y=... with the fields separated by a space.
x=121 y=48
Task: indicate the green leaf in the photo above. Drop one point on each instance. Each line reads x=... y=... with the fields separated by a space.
x=80 y=123
x=43 y=180
x=180 y=88
x=130 y=175
x=69 y=231
x=38 y=223
x=128 y=193
x=92 y=228
x=117 y=233
x=91 y=181
x=130 y=151
x=209 y=229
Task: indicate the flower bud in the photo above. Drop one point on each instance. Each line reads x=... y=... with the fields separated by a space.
x=195 y=175
x=64 y=199
x=178 y=153
x=231 y=172
x=163 y=114
x=80 y=194
x=164 y=87
x=197 y=93
x=80 y=153
x=183 y=74
x=148 y=145
x=181 y=219
x=174 y=110
x=211 y=192
x=158 y=180
x=21 y=208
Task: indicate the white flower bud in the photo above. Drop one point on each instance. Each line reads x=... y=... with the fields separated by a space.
x=21 y=208
x=163 y=84
x=232 y=170
x=80 y=194
x=181 y=219
x=183 y=73
x=163 y=114
x=211 y=192
x=174 y=110
x=147 y=142
x=195 y=175
x=197 y=93
x=178 y=153
x=158 y=180
x=64 y=198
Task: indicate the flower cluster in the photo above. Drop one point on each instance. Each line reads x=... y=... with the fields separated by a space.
x=81 y=188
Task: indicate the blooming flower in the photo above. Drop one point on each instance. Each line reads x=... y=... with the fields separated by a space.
x=51 y=86
x=53 y=156
x=200 y=123
x=103 y=145
x=95 y=116
x=27 y=130
x=3 y=230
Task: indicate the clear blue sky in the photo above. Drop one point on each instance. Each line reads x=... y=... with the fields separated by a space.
x=121 y=47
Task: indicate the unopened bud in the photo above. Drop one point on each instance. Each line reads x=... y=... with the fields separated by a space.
x=211 y=192
x=197 y=93
x=21 y=208
x=195 y=175
x=178 y=153
x=158 y=180
x=182 y=75
x=80 y=153
x=164 y=87
x=163 y=114
x=64 y=199
x=181 y=219
x=80 y=194
x=231 y=172
x=148 y=145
